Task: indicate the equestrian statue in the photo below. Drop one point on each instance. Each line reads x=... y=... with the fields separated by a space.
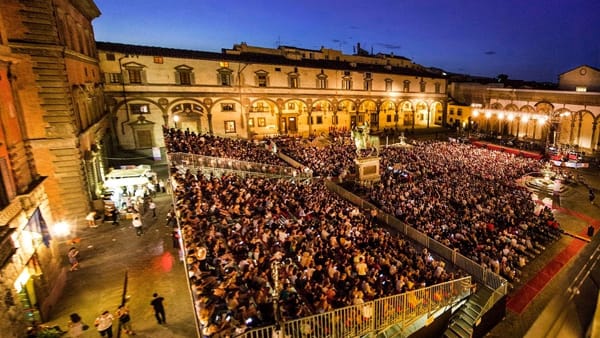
x=363 y=140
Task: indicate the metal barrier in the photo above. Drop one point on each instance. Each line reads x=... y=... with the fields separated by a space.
x=199 y=161
x=373 y=316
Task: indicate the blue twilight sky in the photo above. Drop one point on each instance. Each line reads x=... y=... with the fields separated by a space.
x=525 y=39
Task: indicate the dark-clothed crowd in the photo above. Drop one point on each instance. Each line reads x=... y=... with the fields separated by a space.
x=328 y=253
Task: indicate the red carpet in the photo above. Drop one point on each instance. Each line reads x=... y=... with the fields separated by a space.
x=519 y=301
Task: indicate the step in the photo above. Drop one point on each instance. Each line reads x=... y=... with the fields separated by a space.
x=470 y=312
x=451 y=334
x=464 y=325
x=468 y=319
x=459 y=330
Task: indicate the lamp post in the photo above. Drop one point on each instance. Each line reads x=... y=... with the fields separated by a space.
x=175 y=120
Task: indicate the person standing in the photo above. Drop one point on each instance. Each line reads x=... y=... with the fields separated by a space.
x=76 y=326
x=152 y=207
x=125 y=319
x=137 y=225
x=159 y=308
x=104 y=324
x=72 y=254
x=591 y=195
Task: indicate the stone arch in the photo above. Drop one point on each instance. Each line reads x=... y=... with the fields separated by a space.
x=583 y=129
x=368 y=112
x=511 y=107
x=421 y=113
x=437 y=113
x=292 y=111
x=263 y=113
x=131 y=124
x=406 y=112
x=497 y=106
x=346 y=112
x=191 y=113
x=387 y=114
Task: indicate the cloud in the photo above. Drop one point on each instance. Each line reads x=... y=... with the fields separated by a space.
x=389 y=45
x=490 y=52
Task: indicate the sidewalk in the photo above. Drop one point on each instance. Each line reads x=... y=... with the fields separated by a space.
x=106 y=254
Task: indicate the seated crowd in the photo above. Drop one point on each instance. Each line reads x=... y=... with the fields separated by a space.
x=467 y=198
x=333 y=159
x=331 y=255
x=179 y=141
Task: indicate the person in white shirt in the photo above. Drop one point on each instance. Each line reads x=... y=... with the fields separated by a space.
x=137 y=225
x=104 y=324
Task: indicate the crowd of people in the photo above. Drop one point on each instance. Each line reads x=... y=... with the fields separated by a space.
x=332 y=159
x=329 y=254
x=467 y=198
x=180 y=141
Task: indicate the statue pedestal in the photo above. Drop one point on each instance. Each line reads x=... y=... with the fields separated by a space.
x=367 y=168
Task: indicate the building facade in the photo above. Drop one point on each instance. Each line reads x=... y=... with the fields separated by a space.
x=566 y=117
x=253 y=92
x=53 y=126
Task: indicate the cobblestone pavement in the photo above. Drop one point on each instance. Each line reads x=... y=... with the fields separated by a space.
x=107 y=253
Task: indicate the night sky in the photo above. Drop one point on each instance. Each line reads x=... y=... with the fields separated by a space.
x=525 y=39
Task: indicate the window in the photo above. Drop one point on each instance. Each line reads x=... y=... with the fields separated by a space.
x=261 y=122
x=347 y=83
x=388 y=118
x=291 y=106
x=389 y=85
x=251 y=122
x=451 y=111
x=294 y=80
x=262 y=78
x=406 y=87
x=224 y=76
x=459 y=112
x=114 y=77
x=368 y=81
x=422 y=86
x=135 y=75
x=185 y=77
x=277 y=69
x=319 y=119
x=230 y=126
x=224 y=64
x=110 y=57
x=437 y=87
x=136 y=108
x=322 y=80
x=158 y=59
x=227 y=106
x=580 y=89
x=144 y=138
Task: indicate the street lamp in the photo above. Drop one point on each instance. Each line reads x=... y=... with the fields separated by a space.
x=175 y=120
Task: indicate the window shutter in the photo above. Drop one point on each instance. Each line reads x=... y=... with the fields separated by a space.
x=177 y=78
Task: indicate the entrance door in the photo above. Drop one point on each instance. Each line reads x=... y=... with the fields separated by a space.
x=288 y=125
x=283 y=125
x=293 y=128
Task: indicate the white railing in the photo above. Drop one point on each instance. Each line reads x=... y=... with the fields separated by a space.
x=198 y=161
x=373 y=316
